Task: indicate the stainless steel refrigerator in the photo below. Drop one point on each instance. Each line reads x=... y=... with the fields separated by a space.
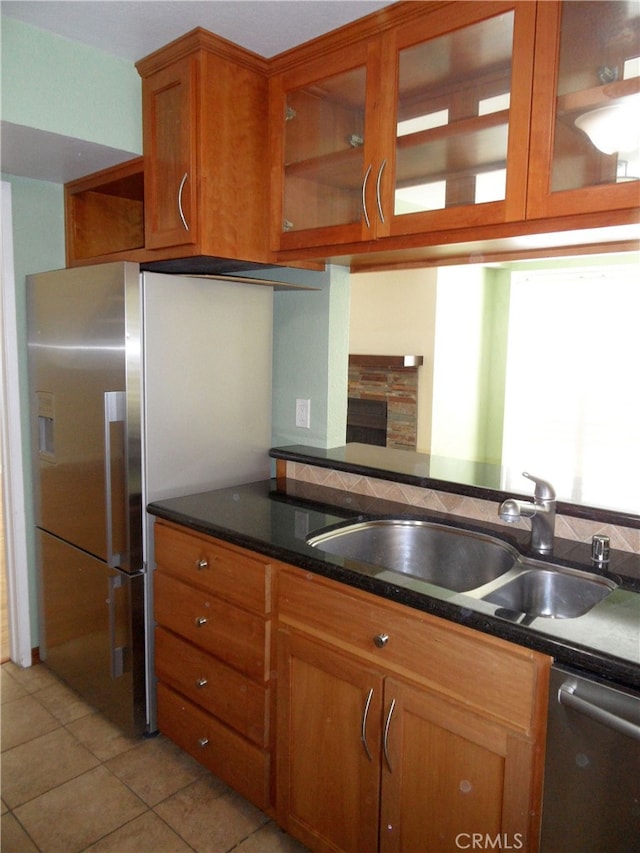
x=143 y=386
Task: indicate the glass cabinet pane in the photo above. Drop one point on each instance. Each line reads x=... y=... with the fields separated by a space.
x=324 y=140
x=453 y=117
x=597 y=124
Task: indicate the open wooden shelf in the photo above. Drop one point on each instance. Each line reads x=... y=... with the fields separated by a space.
x=104 y=213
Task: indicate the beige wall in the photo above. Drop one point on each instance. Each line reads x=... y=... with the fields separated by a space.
x=394 y=314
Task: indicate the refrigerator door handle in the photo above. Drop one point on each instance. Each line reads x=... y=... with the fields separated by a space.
x=114 y=412
x=116 y=653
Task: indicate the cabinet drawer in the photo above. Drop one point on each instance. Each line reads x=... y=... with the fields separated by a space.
x=233 y=635
x=225 y=570
x=218 y=689
x=496 y=677
x=240 y=764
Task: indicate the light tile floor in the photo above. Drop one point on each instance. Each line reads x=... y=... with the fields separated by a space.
x=72 y=782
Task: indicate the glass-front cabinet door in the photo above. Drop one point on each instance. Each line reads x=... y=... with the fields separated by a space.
x=324 y=141
x=457 y=127
x=421 y=127
x=585 y=149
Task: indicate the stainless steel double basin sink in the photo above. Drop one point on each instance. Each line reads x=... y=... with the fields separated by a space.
x=475 y=564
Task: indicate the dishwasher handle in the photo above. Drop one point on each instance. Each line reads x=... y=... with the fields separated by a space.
x=567 y=696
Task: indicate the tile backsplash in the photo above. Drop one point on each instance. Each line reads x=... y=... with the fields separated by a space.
x=567 y=527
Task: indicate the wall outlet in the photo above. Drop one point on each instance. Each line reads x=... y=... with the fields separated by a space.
x=303 y=413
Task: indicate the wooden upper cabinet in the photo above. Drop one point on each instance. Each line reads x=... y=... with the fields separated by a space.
x=321 y=118
x=587 y=71
x=423 y=126
x=170 y=116
x=205 y=150
x=455 y=125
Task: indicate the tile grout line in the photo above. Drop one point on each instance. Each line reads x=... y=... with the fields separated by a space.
x=101 y=762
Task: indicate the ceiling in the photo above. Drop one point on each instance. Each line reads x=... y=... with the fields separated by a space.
x=134 y=28
x=131 y=29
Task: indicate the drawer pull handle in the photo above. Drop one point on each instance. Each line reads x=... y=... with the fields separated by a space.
x=201 y=564
x=200 y=621
x=385 y=742
x=363 y=733
x=381 y=640
x=202 y=742
x=202 y=682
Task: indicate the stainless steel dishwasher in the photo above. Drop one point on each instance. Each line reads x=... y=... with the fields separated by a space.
x=592 y=769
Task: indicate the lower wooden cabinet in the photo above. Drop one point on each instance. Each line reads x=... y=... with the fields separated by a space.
x=372 y=756
x=394 y=730
x=212 y=656
x=228 y=755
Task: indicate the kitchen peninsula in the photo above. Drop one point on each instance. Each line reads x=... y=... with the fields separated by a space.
x=287 y=632
x=275 y=522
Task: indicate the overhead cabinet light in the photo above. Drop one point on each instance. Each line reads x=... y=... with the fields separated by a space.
x=613 y=128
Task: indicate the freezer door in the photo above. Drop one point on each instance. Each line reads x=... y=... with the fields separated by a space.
x=92 y=630
x=81 y=335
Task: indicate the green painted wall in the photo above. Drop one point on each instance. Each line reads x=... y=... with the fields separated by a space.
x=58 y=85
x=310 y=356
x=471 y=330
x=493 y=364
x=38 y=244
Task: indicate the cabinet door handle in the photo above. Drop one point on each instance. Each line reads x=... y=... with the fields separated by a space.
x=363 y=732
x=201 y=564
x=364 y=196
x=201 y=682
x=380 y=640
x=200 y=621
x=378 y=198
x=385 y=741
x=202 y=742
x=180 y=210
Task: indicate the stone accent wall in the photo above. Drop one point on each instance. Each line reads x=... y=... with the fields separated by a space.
x=399 y=387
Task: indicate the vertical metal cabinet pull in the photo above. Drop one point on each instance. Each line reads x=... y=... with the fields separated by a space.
x=385 y=740
x=378 y=199
x=180 y=210
x=364 y=194
x=363 y=731
x=114 y=412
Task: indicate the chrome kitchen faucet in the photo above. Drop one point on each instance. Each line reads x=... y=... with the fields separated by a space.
x=542 y=512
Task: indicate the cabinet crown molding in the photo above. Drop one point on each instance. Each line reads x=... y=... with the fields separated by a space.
x=356 y=31
x=196 y=40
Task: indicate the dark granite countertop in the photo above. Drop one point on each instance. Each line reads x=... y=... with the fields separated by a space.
x=605 y=642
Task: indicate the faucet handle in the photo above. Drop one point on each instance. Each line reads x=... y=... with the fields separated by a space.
x=544 y=491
